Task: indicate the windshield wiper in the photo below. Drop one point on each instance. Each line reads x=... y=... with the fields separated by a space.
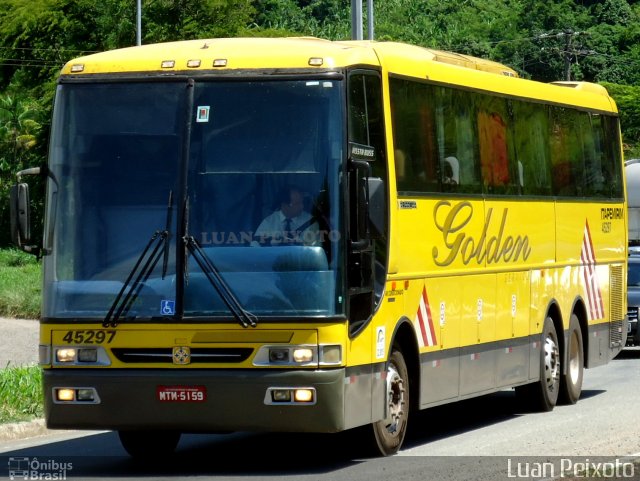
x=244 y=317
x=148 y=260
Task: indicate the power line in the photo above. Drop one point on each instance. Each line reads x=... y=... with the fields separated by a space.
x=37 y=49
x=27 y=64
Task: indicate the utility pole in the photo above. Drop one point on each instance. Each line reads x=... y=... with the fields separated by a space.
x=568 y=37
x=569 y=51
x=356 y=20
x=138 y=22
x=370 y=19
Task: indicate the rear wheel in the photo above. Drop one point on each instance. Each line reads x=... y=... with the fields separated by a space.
x=571 y=382
x=149 y=444
x=389 y=432
x=543 y=395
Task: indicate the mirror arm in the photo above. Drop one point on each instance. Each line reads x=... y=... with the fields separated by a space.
x=31 y=171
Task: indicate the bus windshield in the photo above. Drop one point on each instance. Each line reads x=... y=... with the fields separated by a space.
x=248 y=171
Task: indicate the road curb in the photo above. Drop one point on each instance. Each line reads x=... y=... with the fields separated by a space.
x=23 y=430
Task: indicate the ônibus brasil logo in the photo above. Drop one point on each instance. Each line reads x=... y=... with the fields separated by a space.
x=33 y=468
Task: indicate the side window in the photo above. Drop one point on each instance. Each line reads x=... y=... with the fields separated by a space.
x=595 y=174
x=366 y=119
x=610 y=152
x=495 y=146
x=414 y=139
x=366 y=126
x=603 y=158
x=531 y=150
x=457 y=140
x=567 y=152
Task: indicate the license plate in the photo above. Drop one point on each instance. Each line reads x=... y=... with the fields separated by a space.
x=193 y=394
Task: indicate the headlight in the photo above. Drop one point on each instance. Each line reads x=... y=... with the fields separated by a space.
x=277 y=396
x=80 y=356
x=66 y=355
x=303 y=356
x=75 y=395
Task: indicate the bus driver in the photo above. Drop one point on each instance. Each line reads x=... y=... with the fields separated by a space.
x=290 y=224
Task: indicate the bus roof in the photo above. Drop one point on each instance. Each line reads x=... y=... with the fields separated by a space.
x=216 y=55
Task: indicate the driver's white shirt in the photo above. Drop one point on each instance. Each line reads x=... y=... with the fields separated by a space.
x=272 y=227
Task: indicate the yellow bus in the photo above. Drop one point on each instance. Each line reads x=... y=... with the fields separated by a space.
x=311 y=236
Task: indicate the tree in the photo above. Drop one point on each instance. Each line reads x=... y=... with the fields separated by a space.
x=627 y=98
x=19 y=128
x=167 y=20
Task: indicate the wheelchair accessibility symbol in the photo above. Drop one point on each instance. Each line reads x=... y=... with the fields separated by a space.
x=167 y=308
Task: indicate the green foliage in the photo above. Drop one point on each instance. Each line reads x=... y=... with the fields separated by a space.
x=20 y=130
x=329 y=19
x=20 y=393
x=20 y=285
x=627 y=98
x=597 y=41
x=166 y=20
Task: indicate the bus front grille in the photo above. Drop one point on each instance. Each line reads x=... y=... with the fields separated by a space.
x=198 y=355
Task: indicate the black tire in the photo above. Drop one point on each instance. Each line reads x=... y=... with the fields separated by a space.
x=543 y=394
x=389 y=433
x=149 y=444
x=571 y=381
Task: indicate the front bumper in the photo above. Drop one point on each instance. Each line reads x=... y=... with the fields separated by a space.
x=235 y=400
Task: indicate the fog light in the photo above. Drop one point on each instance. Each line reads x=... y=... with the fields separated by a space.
x=85 y=394
x=303 y=395
x=279 y=355
x=64 y=394
x=66 y=355
x=87 y=355
x=281 y=395
x=303 y=354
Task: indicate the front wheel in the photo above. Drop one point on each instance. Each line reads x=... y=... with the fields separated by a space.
x=149 y=444
x=389 y=432
x=571 y=382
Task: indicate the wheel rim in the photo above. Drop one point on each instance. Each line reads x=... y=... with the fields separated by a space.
x=551 y=362
x=396 y=398
x=574 y=358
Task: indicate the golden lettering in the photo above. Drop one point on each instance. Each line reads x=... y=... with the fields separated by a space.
x=448 y=229
x=491 y=249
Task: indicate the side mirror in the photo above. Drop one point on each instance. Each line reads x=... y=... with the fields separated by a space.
x=20 y=215
x=20 y=211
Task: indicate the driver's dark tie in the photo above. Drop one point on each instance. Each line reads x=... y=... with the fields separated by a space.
x=287 y=228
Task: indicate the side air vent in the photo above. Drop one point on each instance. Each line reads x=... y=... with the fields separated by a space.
x=616 y=305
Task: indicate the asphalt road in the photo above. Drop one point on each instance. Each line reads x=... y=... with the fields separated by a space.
x=487 y=438
x=18 y=342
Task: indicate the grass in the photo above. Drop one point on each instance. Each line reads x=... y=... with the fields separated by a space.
x=20 y=295
x=20 y=394
x=20 y=284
